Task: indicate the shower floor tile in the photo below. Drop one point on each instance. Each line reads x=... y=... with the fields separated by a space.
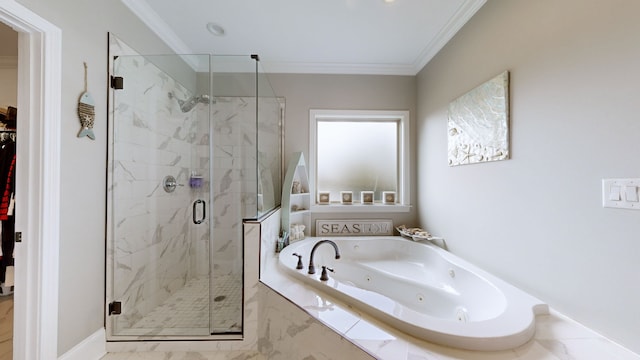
x=187 y=310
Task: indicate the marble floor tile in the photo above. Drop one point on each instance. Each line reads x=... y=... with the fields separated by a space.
x=188 y=355
x=586 y=349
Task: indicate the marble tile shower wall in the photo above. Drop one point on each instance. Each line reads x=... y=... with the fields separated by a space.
x=235 y=179
x=154 y=139
x=233 y=132
x=270 y=123
x=199 y=256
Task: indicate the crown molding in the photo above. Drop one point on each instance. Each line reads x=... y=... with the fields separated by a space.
x=148 y=16
x=464 y=13
x=276 y=67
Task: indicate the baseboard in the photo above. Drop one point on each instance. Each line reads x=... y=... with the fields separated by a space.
x=92 y=348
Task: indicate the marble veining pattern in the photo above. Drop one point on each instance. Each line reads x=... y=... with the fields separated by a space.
x=152 y=227
x=186 y=355
x=288 y=333
x=557 y=337
x=317 y=327
x=230 y=118
x=211 y=349
x=155 y=249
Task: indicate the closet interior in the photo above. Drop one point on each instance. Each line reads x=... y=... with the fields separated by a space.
x=8 y=166
x=7 y=200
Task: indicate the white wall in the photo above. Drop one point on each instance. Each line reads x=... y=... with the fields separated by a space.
x=536 y=220
x=344 y=92
x=84 y=28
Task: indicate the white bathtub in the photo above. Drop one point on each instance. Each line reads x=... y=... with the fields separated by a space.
x=422 y=290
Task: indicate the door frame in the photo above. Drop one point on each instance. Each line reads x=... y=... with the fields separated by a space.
x=35 y=334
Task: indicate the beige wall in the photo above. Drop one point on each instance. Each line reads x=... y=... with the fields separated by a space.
x=9 y=41
x=537 y=220
x=8 y=86
x=8 y=66
x=344 y=92
x=84 y=26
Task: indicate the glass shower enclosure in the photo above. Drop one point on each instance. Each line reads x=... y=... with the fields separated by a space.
x=194 y=149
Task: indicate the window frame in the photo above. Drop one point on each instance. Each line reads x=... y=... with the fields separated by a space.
x=403 y=194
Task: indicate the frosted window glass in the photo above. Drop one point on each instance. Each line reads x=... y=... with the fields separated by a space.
x=357 y=156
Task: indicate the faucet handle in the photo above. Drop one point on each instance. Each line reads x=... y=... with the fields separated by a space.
x=299 y=266
x=324 y=276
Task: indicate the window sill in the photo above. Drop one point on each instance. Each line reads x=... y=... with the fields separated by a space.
x=359 y=208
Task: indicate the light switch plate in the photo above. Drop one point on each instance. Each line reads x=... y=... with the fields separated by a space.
x=620 y=193
x=631 y=193
x=614 y=193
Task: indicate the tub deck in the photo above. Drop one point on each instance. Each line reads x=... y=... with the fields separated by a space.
x=556 y=336
x=422 y=290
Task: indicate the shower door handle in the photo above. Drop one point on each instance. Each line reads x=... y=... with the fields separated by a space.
x=204 y=211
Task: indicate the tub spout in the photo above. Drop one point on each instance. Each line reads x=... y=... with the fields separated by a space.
x=312 y=268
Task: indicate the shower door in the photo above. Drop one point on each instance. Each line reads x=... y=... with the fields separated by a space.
x=160 y=278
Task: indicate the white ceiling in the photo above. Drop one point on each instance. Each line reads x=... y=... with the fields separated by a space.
x=312 y=36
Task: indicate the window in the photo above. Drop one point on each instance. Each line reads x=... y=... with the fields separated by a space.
x=354 y=151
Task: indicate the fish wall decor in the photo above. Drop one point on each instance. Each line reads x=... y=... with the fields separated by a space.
x=86 y=111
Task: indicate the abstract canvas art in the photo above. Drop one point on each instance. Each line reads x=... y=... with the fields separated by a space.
x=478 y=125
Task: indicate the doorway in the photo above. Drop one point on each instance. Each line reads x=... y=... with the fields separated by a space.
x=8 y=114
x=35 y=295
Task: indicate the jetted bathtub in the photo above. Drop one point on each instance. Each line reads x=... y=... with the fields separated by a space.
x=420 y=289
